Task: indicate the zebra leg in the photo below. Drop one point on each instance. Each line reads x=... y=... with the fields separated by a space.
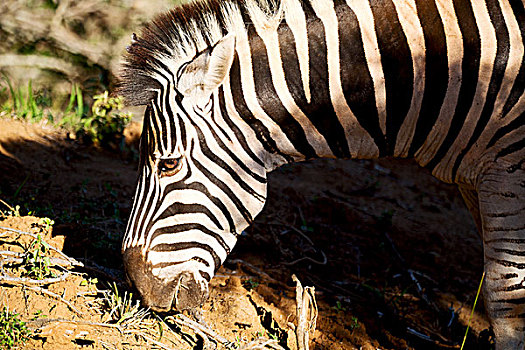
x=501 y=192
x=470 y=197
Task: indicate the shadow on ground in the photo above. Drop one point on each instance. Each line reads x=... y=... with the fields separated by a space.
x=393 y=253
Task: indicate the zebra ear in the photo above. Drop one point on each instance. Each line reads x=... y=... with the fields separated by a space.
x=208 y=70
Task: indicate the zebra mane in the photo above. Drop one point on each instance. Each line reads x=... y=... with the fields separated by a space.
x=177 y=36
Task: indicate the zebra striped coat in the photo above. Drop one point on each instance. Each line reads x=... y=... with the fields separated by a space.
x=237 y=88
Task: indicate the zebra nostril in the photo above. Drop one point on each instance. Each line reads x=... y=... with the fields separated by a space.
x=190 y=292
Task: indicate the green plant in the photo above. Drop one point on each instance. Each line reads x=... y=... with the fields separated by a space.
x=338 y=306
x=123 y=309
x=36 y=262
x=24 y=103
x=47 y=223
x=105 y=125
x=38 y=314
x=250 y=284
x=75 y=97
x=74 y=112
x=355 y=323
x=256 y=335
x=50 y=4
x=89 y=282
x=305 y=227
x=395 y=300
x=272 y=336
x=11 y=212
x=13 y=331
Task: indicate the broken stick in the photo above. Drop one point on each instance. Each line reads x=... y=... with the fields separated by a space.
x=306 y=314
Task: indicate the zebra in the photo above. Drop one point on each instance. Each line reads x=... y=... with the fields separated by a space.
x=236 y=88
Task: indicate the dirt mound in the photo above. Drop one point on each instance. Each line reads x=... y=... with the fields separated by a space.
x=392 y=253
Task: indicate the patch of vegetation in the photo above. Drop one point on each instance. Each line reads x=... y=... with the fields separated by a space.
x=102 y=123
x=123 y=309
x=38 y=314
x=75 y=111
x=106 y=123
x=13 y=331
x=50 y=4
x=12 y=211
x=355 y=323
x=89 y=282
x=36 y=262
x=47 y=223
x=24 y=103
x=339 y=306
x=250 y=284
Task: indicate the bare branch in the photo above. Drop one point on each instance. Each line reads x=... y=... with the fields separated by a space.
x=306 y=314
x=204 y=331
x=55 y=296
x=261 y=344
x=35 y=25
x=17 y=258
x=154 y=342
x=39 y=323
x=42 y=62
x=24 y=280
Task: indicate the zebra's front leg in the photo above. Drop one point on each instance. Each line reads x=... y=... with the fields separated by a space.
x=502 y=207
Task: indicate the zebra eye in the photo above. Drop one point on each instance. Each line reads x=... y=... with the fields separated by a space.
x=169 y=166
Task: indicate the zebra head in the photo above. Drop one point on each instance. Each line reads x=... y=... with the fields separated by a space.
x=198 y=186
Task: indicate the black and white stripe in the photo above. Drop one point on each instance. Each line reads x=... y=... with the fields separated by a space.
x=441 y=81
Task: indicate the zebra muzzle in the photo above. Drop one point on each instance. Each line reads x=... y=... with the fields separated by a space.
x=186 y=291
x=190 y=293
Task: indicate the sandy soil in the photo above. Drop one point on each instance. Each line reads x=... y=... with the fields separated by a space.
x=403 y=258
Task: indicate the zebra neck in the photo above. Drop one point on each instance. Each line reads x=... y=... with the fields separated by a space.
x=359 y=79
x=306 y=89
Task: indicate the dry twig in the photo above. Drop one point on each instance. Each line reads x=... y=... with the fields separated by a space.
x=261 y=344
x=153 y=341
x=64 y=261
x=17 y=258
x=9 y=257
x=41 y=322
x=302 y=234
x=203 y=331
x=432 y=341
x=208 y=335
x=55 y=296
x=306 y=314
x=24 y=280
